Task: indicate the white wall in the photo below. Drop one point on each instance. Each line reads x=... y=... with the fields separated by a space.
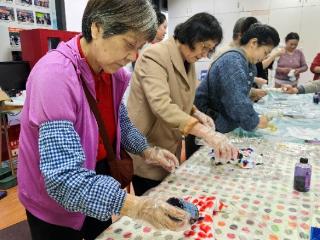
x=74 y=11
x=301 y=16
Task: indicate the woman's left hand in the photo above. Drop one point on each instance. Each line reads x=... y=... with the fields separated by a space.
x=161 y=157
x=204 y=119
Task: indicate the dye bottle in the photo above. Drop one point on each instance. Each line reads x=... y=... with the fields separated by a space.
x=316 y=98
x=302 y=175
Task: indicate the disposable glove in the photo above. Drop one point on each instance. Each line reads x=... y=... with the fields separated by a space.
x=156 y=212
x=224 y=150
x=161 y=157
x=204 y=119
x=273 y=114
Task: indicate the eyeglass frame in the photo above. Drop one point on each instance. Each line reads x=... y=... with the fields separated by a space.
x=210 y=51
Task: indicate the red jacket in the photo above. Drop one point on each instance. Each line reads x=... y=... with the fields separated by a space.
x=315 y=63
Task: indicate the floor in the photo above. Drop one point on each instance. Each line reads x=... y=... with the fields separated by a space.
x=11 y=210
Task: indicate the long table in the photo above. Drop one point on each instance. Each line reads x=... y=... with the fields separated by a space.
x=298 y=118
x=261 y=202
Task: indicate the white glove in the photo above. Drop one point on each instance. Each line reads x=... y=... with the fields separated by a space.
x=204 y=119
x=161 y=157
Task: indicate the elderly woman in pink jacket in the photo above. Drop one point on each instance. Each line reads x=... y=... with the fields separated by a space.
x=61 y=171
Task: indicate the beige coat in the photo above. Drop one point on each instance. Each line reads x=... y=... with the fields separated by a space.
x=161 y=101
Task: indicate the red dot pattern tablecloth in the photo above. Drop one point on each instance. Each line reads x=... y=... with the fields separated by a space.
x=262 y=203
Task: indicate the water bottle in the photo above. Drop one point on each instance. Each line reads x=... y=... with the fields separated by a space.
x=302 y=175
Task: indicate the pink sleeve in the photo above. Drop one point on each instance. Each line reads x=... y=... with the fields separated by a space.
x=54 y=91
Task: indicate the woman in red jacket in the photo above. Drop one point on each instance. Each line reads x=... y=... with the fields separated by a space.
x=315 y=67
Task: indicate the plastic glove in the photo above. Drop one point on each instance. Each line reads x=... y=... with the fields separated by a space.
x=224 y=150
x=161 y=157
x=273 y=114
x=204 y=119
x=156 y=212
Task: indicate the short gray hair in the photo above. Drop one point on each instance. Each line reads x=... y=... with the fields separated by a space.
x=119 y=17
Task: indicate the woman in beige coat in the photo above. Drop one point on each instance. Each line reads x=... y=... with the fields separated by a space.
x=160 y=103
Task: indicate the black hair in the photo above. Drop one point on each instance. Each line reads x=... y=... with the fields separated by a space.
x=247 y=23
x=200 y=27
x=265 y=34
x=292 y=36
x=160 y=17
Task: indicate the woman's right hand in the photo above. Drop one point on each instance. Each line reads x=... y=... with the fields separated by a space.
x=223 y=149
x=156 y=212
x=263 y=122
x=289 y=89
x=161 y=157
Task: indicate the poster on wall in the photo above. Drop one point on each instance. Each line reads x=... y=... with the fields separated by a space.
x=25 y=16
x=24 y=2
x=43 y=18
x=41 y=3
x=14 y=36
x=6 y=1
x=6 y=14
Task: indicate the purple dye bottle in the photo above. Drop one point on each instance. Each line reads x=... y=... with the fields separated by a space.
x=316 y=98
x=302 y=175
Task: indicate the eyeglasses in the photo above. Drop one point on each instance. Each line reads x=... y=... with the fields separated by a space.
x=208 y=50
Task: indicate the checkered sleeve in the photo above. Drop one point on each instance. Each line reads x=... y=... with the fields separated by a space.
x=132 y=139
x=74 y=187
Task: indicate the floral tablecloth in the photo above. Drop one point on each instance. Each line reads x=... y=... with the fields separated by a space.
x=261 y=201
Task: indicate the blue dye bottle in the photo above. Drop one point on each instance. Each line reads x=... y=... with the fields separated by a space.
x=302 y=175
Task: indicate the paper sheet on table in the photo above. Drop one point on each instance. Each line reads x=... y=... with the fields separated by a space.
x=16 y=101
x=304 y=133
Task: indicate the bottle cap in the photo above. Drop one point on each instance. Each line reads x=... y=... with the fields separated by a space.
x=303 y=160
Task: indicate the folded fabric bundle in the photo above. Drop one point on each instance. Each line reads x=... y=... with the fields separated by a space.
x=208 y=208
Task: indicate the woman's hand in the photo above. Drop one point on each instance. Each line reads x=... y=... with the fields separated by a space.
x=156 y=212
x=223 y=149
x=289 y=89
x=161 y=157
x=204 y=119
